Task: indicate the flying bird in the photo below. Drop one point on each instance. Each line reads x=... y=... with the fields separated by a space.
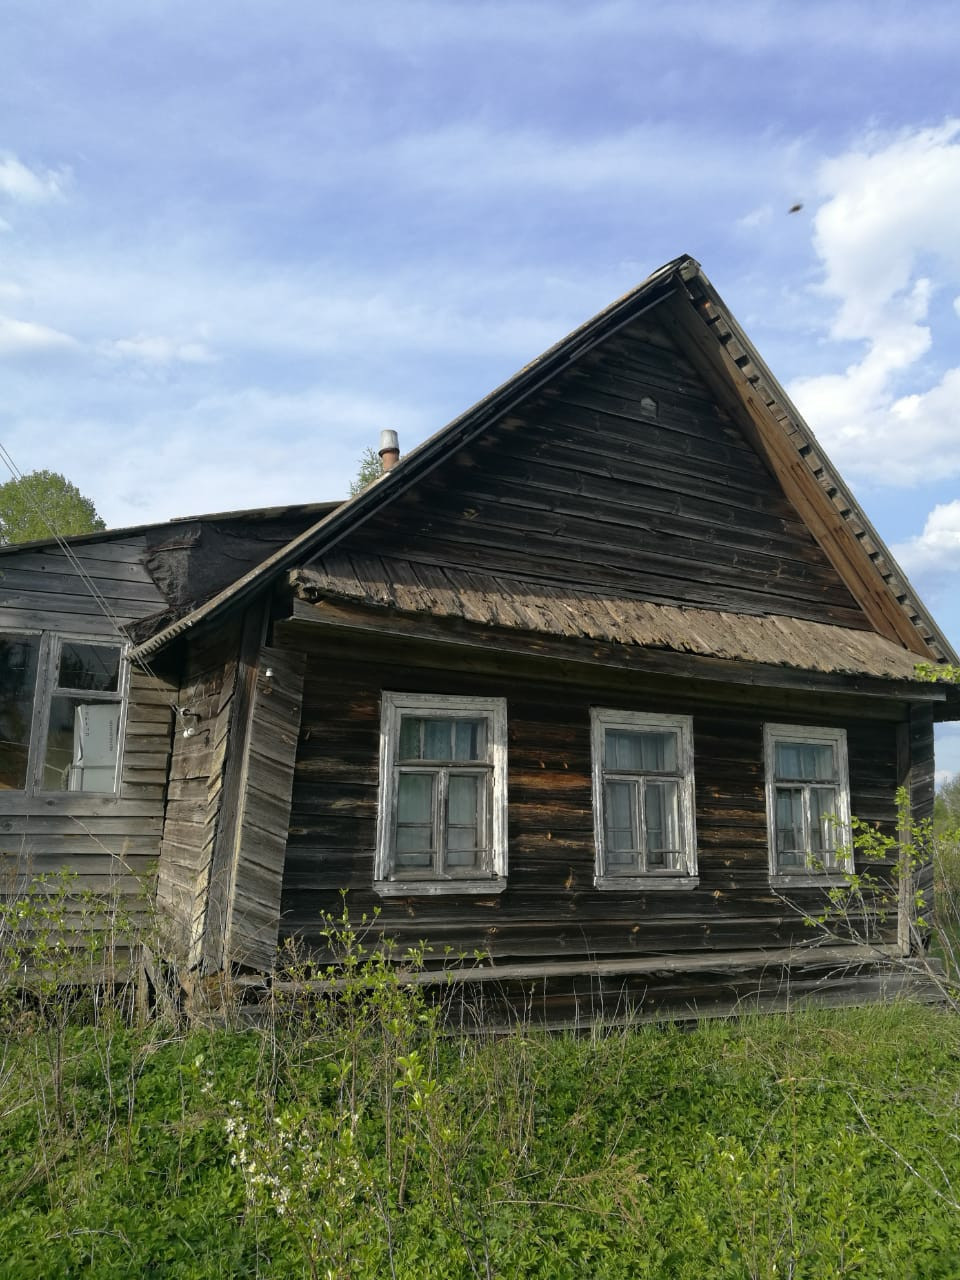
x=795 y=208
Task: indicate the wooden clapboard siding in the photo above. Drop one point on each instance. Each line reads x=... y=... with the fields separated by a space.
x=264 y=809
x=109 y=844
x=194 y=799
x=581 y=485
x=550 y=909
x=43 y=589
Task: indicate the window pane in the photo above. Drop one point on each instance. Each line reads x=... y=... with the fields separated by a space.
x=790 y=851
x=469 y=740
x=437 y=735
x=464 y=793
x=18 y=680
x=414 y=848
x=640 y=752
x=410 y=733
x=463 y=796
x=415 y=830
x=823 y=812
x=82 y=745
x=620 y=805
x=89 y=666
x=415 y=797
x=661 y=814
x=805 y=761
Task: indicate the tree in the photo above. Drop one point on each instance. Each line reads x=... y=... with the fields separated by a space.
x=946 y=806
x=43 y=503
x=369 y=468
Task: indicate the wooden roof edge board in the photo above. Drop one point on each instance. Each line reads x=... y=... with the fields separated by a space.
x=714 y=313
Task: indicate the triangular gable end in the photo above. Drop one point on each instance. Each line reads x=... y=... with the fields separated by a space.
x=800 y=513
x=621 y=477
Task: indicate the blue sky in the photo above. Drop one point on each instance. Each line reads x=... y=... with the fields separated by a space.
x=237 y=239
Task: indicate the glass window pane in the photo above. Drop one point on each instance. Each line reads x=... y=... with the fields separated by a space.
x=469 y=740
x=464 y=793
x=805 y=761
x=414 y=847
x=823 y=813
x=662 y=819
x=415 y=797
x=789 y=804
x=437 y=735
x=410 y=735
x=620 y=805
x=82 y=745
x=18 y=681
x=89 y=666
x=643 y=752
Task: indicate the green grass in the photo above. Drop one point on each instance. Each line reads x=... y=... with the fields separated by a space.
x=814 y=1145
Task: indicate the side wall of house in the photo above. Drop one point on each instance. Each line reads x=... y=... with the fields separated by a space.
x=110 y=843
x=550 y=908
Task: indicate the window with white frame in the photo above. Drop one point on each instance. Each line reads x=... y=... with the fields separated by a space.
x=808 y=801
x=61 y=713
x=643 y=800
x=442 y=822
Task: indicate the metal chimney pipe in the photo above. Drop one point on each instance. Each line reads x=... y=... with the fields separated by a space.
x=389 y=450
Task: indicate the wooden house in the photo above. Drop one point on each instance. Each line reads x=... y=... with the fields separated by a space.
x=588 y=686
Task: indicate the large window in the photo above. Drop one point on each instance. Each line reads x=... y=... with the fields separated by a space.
x=443 y=795
x=808 y=802
x=61 y=710
x=643 y=800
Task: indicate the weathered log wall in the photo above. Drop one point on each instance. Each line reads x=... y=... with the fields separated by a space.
x=550 y=909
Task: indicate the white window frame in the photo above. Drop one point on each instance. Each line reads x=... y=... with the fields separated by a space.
x=655 y=878
x=45 y=690
x=387 y=880
x=809 y=874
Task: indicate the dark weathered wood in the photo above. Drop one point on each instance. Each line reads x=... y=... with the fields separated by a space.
x=196 y=785
x=731 y=383
x=264 y=809
x=523 y=499
x=448 y=633
x=550 y=907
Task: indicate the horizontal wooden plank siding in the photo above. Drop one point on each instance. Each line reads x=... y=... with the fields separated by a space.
x=45 y=589
x=585 y=484
x=550 y=908
x=110 y=845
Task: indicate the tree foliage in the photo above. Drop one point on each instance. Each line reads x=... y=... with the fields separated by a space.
x=946 y=806
x=369 y=468
x=43 y=503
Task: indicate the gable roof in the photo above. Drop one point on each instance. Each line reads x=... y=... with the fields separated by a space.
x=698 y=321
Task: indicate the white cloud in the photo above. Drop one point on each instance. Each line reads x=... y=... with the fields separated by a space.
x=937 y=548
x=159 y=350
x=219 y=452
x=21 y=337
x=30 y=186
x=886 y=237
